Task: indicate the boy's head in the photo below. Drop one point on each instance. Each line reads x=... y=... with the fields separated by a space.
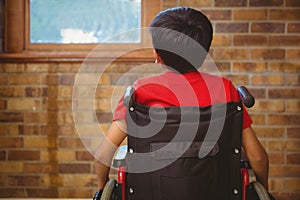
x=181 y=34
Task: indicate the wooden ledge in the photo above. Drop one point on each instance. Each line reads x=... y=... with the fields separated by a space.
x=77 y=56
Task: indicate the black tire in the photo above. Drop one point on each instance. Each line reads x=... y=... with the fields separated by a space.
x=261 y=191
x=108 y=189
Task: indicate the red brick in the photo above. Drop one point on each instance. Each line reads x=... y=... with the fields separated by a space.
x=284 y=171
x=121 y=79
x=84 y=155
x=74 y=168
x=230 y=54
x=250 y=67
x=293 y=185
x=293 y=106
x=292 y=79
x=170 y=3
x=65 y=105
x=238 y=79
x=293 y=27
x=276 y=158
x=22 y=104
x=12 y=67
x=12 y=130
x=25 y=79
x=268 y=27
x=52 y=79
x=284 y=15
x=292 y=3
x=2 y=156
x=284 y=93
x=221 y=40
x=67 y=118
x=70 y=143
x=12 y=192
x=283 y=119
x=263 y=132
x=35 y=117
x=11 y=142
x=258 y=119
x=75 y=192
x=287 y=195
x=276 y=184
x=104 y=117
x=268 y=3
x=292 y=146
x=293 y=132
x=223 y=66
x=39 y=167
x=268 y=54
x=2 y=104
x=23 y=180
x=195 y=3
x=276 y=79
x=66 y=79
x=230 y=3
x=41 y=67
x=284 y=67
x=250 y=14
x=36 y=92
x=3 y=79
x=293 y=158
x=11 y=167
x=249 y=40
x=23 y=155
x=42 y=193
x=65 y=91
x=284 y=40
x=3 y=129
x=218 y=14
x=232 y=27
x=293 y=54
x=258 y=93
x=68 y=67
x=29 y=130
x=66 y=130
x=269 y=106
x=12 y=92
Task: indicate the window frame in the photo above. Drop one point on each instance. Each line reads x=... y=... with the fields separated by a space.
x=17 y=41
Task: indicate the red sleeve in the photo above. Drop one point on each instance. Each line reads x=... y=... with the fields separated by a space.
x=120 y=111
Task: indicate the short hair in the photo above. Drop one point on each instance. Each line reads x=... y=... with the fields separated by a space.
x=182 y=37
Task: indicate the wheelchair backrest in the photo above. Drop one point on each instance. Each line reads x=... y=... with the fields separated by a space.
x=183 y=152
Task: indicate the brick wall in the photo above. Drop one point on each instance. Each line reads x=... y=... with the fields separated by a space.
x=256 y=43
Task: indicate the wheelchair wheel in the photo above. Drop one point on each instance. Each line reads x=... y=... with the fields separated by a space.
x=261 y=191
x=108 y=189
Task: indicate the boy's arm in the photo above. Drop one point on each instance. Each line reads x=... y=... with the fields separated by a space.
x=257 y=156
x=104 y=154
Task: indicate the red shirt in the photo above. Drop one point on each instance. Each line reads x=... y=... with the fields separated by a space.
x=189 y=89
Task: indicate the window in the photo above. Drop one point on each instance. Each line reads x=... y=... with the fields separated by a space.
x=81 y=21
x=30 y=28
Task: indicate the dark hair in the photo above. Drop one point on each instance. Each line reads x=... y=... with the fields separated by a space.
x=182 y=37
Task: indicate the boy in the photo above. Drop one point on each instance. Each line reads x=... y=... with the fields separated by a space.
x=177 y=34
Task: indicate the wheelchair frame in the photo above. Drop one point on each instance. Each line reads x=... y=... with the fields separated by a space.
x=116 y=189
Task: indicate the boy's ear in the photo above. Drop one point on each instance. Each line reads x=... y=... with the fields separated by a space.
x=158 y=59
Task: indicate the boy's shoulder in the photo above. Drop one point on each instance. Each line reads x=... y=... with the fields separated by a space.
x=168 y=77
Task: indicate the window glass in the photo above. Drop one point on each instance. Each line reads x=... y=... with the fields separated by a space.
x=84 y=21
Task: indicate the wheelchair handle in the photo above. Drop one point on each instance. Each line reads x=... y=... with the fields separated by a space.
x=246 y=96
x=128 y=96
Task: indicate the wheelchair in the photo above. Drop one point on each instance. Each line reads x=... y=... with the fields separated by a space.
x=168 y=166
